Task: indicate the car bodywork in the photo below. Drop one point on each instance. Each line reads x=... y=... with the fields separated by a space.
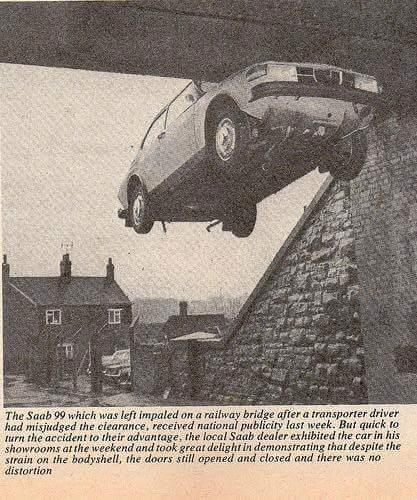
x=116 y=368
x=294 y=112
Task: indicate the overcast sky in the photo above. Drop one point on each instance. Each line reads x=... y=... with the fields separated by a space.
x=68 y=137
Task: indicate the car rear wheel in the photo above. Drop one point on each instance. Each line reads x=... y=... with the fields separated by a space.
x=139 y=210
x=347 y=157
x=242 y=220
x=124 y=379
x=228 y=139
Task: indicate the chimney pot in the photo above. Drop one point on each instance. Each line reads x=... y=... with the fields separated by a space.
x=110 y=271
x=5 y=268
x=183 y=308
x=65 y=266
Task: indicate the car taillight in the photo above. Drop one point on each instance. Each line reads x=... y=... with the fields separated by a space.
x=367 y=83
x=282 y=73
x=256 y=72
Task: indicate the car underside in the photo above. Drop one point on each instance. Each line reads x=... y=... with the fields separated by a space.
x=278 y=133
x=278 y=152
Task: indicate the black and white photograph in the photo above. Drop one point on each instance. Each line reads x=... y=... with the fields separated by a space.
x=209 y=203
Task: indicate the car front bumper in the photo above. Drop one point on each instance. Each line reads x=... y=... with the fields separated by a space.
x=296 y=89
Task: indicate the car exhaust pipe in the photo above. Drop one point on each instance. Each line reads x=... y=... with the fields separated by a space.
x=213 y=224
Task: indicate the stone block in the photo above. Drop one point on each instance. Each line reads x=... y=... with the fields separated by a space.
x=353 y=365
x=320 y=348
x=297 y=336
x=322 y=254
x=284 y=336
x=280 y=295
x=301 y=386
x=331 y=284
x=344 y=279
x=332 y=370
x=310 y=338
x=321 y=370
x=319 y=320
x=304 y=321
x=280 y=323
x=327 y=238
x=358 y=383
x=347 y=247
x=337 y=349
x=339 y=394
x=295 y=297
x=313 y=390
x=278 y=310
x=323 y=391
x=279 y=375
x=329 y=297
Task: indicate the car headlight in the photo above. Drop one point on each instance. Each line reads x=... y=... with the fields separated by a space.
x=283 y=73
x=256 y=72
x=367 y=83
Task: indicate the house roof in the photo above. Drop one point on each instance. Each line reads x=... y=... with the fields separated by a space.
x=78 y=290
x=177 y=326
x=148 y=332
x=200 y=336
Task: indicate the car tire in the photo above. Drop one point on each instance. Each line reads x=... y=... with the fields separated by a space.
x=348 y=156
x=243 y=220
x=229 y=134
x=139 y=210
x=124 y=379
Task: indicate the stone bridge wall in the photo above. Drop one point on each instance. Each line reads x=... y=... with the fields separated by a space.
x=334 y=319
x=384 y=201
x=300 y=340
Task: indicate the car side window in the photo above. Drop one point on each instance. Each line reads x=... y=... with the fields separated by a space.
x=185 y=100
x=157 y=127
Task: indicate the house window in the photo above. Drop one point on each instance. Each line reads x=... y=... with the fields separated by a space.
x=53 y=316
x=115 y=316
x=66 y=350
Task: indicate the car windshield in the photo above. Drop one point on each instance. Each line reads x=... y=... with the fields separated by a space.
x=184 y=100
x=121 y=356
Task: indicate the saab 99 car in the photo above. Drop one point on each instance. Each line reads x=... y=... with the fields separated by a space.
x=217 y=150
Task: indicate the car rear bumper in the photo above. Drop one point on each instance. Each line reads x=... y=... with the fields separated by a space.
x=269 y=89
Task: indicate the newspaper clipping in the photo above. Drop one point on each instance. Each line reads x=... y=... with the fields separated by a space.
x=209 y=234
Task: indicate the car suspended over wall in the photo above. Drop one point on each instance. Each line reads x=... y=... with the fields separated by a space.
x=217 y=150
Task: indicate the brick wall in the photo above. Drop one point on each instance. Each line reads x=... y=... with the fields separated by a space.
x=384 y=200
x=300 y=340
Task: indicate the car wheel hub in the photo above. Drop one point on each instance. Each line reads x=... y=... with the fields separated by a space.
x=138 y=208
x=225 y=138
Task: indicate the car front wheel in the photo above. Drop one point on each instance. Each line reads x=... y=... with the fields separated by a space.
x=228 y=140
x=347 y=157
x=139 y=210
x=241 y=220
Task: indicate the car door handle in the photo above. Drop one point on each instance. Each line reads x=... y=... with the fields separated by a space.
x=161 y=135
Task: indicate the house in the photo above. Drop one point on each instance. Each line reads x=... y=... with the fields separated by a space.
x=184 y=323
x=51 y=322
x=158 y=361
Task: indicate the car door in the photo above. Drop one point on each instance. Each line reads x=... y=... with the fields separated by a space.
x=147 y=163
x=176 y=144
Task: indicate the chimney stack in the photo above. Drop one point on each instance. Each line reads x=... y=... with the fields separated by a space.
x=110 y=271
x=5 y=269
x=183 y=308
x=65 y=266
